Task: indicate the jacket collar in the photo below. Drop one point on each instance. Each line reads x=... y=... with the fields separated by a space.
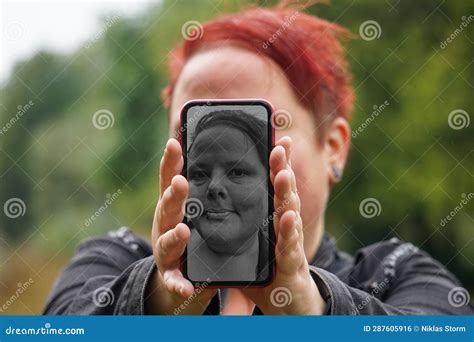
x=327 y=252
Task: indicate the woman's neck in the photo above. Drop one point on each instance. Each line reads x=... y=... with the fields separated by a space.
x=230 y=266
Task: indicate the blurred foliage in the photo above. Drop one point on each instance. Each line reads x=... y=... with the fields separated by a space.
x=64 y=169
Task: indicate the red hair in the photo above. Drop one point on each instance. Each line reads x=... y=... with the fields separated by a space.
x=307 y=49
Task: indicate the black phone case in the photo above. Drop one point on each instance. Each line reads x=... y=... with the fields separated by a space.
x=271 y=232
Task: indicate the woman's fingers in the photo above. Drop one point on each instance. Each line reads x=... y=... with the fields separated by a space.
x=171 y=164
x=171 y=205
x=280 y=160
x=176 y=283
x=286 y=142
x=171 y=245
x=282 y=186
x=284 y=180
x=277 y=161
x=285 y=197
x=289 y=248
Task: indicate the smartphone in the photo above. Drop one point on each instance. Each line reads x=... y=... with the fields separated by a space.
x=226 y=148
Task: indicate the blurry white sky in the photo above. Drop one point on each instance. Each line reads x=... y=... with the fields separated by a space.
x=62 y=26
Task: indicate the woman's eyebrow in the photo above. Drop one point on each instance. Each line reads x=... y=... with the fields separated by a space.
x=227 y=163
x=237 y=162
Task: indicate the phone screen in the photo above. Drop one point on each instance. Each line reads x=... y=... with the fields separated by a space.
x=226 y=147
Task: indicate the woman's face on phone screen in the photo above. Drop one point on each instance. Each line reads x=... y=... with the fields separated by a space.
x=227 y=176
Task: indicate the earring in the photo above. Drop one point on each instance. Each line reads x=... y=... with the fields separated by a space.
x=336 y=172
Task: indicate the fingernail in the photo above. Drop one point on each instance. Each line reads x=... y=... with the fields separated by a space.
x=280 y=147
x=168 y=143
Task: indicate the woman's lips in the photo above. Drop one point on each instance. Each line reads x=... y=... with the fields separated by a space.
x=217 y=214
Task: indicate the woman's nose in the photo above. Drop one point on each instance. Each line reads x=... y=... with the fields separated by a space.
x=216 y=189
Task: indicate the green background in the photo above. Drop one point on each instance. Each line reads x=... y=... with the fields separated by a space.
x=408 y=157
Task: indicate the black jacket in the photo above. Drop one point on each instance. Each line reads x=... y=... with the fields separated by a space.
x=109 y=274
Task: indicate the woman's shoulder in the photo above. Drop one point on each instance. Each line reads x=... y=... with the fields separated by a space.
x=387 y=264
x=118 y=241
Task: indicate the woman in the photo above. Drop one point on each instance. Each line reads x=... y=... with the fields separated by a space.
x=227 y=177
x=302 y=71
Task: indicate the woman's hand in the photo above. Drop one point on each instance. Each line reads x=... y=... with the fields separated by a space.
x=169 y=289
x=293 y=291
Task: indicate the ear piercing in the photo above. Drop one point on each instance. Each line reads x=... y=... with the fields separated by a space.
x=336 y=172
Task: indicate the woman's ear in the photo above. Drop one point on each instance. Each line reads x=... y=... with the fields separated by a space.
x=336 y=144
